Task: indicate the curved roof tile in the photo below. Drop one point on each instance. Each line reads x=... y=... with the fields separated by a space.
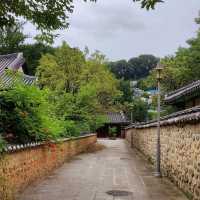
x=181 y=92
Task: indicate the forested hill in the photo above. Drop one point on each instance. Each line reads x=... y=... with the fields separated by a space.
x=135 y=68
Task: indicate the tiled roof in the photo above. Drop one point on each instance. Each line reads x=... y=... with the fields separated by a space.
x=13 y=62
x=7 y=79
x=117 y=117
x=188 y=115
x=182 y=92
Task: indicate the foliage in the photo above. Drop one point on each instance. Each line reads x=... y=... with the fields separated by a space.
x=137 y=110
x=33 y=53
x=136 y=68
x=81 y=89
x=26 y=115
x=112 y=131
x=105 y=84
x=11 y=38
x=82 y=109
x=61 y=70
x=46 y=15
x=68 y=71
x=2 y=144
x=127 y=93
x=149 y=4
x=152 y=115
x=121 y=69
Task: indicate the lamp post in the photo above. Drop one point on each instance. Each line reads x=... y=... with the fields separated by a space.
x=158 y=69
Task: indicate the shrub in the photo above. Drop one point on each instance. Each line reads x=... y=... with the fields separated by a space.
x=26 y=115
x=2 y=144
x=112 y=131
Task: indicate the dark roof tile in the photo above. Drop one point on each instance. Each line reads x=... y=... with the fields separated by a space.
x=188 y=115
x=116 y=117
x=13 y=62
x=181 y=92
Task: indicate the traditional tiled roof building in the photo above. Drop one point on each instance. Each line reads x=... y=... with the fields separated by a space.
x=187 y=103
x=16 y=63
x=114 y=119
x=185 y=97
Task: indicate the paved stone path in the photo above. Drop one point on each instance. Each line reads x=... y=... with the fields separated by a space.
x=90 y=176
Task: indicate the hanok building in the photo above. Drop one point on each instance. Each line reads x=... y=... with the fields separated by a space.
x=185 y=97
x=14 y=63
x=115 y=119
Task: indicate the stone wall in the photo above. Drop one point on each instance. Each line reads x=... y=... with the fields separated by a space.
x=180 y=152
x=20 y=167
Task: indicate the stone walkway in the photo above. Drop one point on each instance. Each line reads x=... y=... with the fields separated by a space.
x=90 y=176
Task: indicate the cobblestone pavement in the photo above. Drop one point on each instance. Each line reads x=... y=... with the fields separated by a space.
x=89 y=176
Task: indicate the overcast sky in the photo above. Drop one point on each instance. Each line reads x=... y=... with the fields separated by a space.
x=121 y=30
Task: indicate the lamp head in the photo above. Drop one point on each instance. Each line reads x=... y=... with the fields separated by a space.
x=159 y=69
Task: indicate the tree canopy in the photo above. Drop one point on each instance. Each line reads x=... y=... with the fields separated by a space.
x=134 y=69
x=68 y=70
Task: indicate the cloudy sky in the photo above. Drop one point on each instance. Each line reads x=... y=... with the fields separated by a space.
x=120 y=29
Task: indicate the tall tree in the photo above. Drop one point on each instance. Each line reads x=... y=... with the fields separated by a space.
x=121 y=69
x=98 y=75
x=33 y=54
x=61 y=70
x=136 y=68
x=142 y=65
x=12 y=38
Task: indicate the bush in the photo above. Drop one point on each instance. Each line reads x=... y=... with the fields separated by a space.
x=26 y=115
x=112 y=131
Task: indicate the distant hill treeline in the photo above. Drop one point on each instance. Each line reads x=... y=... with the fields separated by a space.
x=135 y=68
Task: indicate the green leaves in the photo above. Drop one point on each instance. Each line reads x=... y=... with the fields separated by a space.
x=149 y=4
x=46 y=15
x=82 y=90
x=60 y=71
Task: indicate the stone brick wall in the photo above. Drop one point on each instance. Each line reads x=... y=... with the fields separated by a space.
x=21 y=167
x=180 y=152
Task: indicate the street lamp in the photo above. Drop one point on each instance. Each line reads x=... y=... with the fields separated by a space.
x=158 y=69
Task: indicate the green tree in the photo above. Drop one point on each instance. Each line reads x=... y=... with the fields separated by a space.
x=137 y=110
x=142 y=65
x=46 y=15
x=82 y=89
x=106 y=84
x=61 y=70
x=136 y=68
x=12 y=38
x=121 y=69
x=127 y=94
x=33 y=53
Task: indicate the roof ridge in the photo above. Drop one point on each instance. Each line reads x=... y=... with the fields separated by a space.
x=182 y=91
x=184 y=87
x=11 y=54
